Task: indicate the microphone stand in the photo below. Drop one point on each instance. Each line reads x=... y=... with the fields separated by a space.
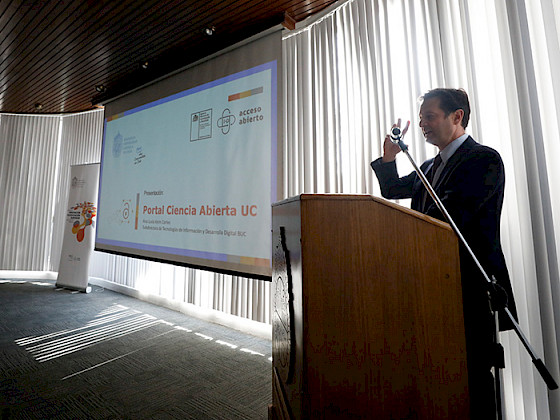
x=492 y=288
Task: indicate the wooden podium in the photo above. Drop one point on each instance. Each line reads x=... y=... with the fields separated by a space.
x=367 y=312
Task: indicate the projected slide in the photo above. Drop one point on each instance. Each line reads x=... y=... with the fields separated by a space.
x=188 y=178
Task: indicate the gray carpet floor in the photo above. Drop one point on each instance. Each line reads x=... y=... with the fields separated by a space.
x=103 y=355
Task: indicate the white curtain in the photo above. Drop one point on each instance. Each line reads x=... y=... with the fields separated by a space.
x=28 y=171
x=233 y=295
x=353 y=72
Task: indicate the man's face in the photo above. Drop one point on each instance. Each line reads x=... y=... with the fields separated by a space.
x=438 y=129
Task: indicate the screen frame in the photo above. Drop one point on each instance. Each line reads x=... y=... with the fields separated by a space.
x=167 y=88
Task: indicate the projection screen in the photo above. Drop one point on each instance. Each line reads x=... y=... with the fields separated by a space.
x=191 y=164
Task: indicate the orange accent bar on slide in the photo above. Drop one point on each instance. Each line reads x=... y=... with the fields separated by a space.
x=137 y=209
x=245 y=94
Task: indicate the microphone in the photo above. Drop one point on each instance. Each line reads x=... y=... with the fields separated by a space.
x=396 y=133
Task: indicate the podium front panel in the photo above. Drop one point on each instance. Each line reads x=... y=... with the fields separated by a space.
x=367 y=312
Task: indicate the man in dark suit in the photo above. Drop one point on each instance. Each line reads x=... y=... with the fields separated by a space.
x=469 y=180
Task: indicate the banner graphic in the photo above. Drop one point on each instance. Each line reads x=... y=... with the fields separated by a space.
x=79 y=228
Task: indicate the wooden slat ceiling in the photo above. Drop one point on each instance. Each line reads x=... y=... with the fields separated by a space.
x=54 y=53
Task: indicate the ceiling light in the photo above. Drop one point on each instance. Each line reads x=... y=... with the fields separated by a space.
x=38 y=107
x=210 y=30
x=145 y=64
x=100 y=88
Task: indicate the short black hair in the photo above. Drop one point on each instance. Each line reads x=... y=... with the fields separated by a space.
x=450 y=100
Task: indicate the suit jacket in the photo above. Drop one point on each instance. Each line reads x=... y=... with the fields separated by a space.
x=471 y=187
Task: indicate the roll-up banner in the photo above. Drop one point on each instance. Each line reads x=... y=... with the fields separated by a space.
x=79 y=228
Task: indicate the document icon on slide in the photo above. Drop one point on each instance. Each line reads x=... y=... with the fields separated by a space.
x=201 y=125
